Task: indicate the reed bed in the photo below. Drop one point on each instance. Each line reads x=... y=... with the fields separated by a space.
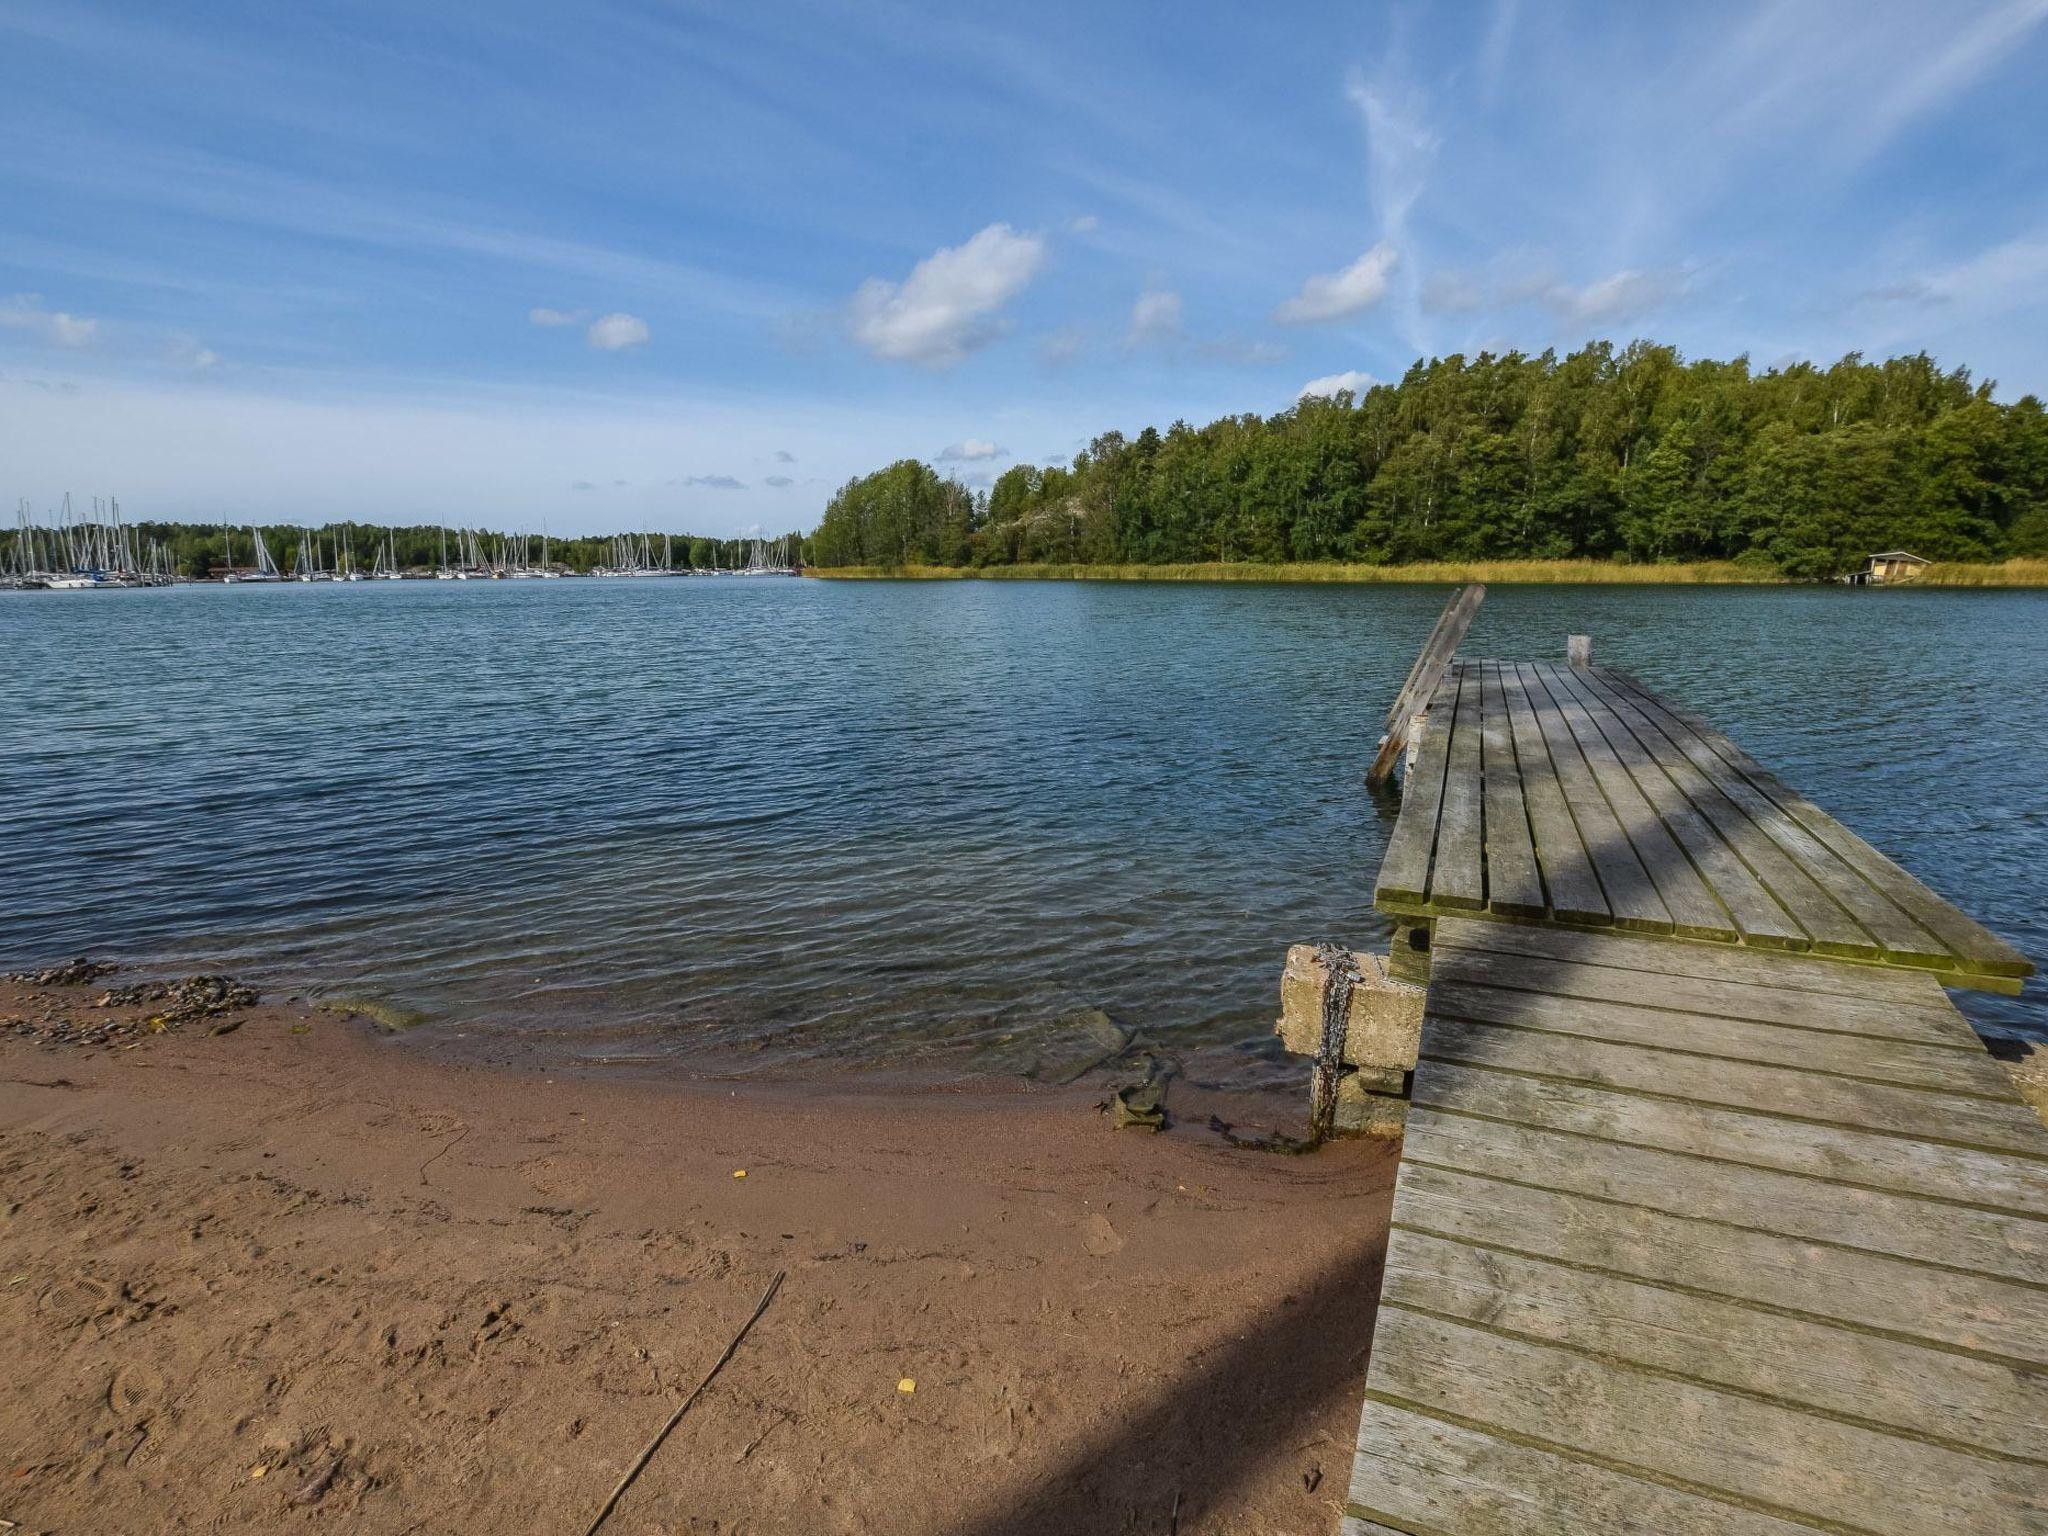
x=1703 y=573
x=2009 y=573
x=1498 y=572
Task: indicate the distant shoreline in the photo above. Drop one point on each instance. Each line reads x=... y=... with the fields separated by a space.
x=1709 y=573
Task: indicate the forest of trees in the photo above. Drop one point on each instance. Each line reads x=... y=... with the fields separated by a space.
x=1632 y=455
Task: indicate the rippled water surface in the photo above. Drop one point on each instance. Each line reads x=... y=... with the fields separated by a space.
x=883 y=821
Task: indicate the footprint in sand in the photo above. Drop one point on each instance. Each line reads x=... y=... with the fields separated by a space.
x=76 y=1300
x=134 y=1392
x=1099 y=1237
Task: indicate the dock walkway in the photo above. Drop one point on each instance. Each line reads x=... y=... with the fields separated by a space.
x=1574 y=796
x=1691 y=1237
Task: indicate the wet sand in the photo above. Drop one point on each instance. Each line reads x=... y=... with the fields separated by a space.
x=302 y=1275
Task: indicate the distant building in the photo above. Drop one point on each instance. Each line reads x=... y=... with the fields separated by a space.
x=1889 y=569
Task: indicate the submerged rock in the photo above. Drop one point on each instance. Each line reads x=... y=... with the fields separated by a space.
x=1076 y=1045
x=389 y=1017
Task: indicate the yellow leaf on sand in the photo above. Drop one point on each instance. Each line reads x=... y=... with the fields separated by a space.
x=258 y=1471
x=907 y=1386
x=739 y=1173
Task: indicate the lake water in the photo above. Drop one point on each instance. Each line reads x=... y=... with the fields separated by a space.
x=884 y=822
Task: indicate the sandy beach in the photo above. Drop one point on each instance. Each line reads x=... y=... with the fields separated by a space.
x=307 y=1275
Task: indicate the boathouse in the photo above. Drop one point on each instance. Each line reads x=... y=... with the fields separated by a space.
x=1889 y=569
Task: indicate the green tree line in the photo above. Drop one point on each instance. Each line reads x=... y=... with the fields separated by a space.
x=1635 y=454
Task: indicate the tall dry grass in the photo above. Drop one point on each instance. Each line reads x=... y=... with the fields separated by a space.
x=2010 y=573
x=1495 y=572
x=1706 y=573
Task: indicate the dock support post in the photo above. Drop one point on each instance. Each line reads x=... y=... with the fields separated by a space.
x=1339 y=975
x=1578 y=650
x=1363 y=1028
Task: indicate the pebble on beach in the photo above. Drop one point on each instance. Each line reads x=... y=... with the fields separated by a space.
x=125 y=1014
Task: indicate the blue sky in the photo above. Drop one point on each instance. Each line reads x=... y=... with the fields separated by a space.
x=681 y=266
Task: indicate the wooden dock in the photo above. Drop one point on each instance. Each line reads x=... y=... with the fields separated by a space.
x=1713 y=1214
x=1574 y=796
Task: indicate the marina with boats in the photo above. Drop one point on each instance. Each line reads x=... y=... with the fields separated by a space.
x=73 y=549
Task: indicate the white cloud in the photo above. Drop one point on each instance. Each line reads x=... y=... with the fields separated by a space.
x=714 y=483
x=1155 y=317
x=1086 y=224
x=1616 y=298
x=974 y=448
x=946 y=308
x=784 y=456
x=1400 y=152
x=615 y=333
x=186 y=352
x=1337 y=295
x=780 y=482
x=1331 y=384
x=2004 y=277
x=25 y=312
x=552 y=317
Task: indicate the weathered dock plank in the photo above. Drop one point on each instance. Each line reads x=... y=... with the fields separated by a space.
x=1676 y=1248
x=1790 y=1459
x=1763 y=1004
x=1967 y=1313
x=1459 y=878
x=1963 y=934
x=1573 y=888
x=1922 y=1391
x=1631 y=893
x=1776 y=972
x=1875 y=1059
x=1757 y=914
x=1895 y=933
x=1514 y=887
x=1696 y=911
x=1411 y=851
x=1413 y=1467
x=1637 y=815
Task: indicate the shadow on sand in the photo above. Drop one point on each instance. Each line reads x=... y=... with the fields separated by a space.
x=1255 y=1405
